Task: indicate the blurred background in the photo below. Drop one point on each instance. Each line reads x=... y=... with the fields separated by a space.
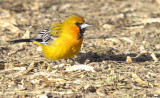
x=121 y=29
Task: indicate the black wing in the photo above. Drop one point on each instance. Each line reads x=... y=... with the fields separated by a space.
x=44 y=37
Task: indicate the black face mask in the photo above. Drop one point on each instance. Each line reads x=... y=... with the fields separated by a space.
x=81 y=30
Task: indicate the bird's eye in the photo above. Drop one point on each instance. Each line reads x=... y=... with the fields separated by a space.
x=77 y=23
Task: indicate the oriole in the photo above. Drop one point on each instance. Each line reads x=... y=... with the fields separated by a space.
x=62 y=40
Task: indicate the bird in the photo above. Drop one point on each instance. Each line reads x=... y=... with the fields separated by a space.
x=62 y=40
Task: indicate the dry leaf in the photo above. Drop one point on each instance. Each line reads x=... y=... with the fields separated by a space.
x=80 y=67
x=113 y=40
x=127 y=39
x=140 y=81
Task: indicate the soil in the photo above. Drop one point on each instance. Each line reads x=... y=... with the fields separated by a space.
x=122 y=46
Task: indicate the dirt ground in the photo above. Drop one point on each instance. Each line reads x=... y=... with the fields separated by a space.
x=122 y=47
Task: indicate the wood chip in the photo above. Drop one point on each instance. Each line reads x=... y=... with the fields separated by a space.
x=154 y=57
x=129 y=59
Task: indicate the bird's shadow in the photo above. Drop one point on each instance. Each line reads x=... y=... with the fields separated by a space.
x=95 y=57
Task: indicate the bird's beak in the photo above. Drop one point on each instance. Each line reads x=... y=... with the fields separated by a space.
x=84 y=25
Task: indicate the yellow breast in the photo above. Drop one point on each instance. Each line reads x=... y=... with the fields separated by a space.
x=62 y=49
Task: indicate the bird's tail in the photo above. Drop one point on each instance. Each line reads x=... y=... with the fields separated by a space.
x=20 y=40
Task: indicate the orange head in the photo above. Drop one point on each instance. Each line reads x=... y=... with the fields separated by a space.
x=74 y=18
x=74 y=26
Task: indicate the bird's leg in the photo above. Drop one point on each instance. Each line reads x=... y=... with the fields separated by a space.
x=65 y=60
x=61 y=61
x=53 y=62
